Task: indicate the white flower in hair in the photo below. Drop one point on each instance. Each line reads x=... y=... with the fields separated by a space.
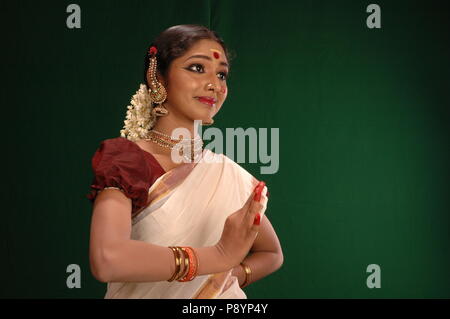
x=139 y=119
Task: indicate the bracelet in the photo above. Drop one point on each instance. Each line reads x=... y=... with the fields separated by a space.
x=183 y=262
x=192 y=266
x=177 y=263
x=248 y=274
x=186 y=264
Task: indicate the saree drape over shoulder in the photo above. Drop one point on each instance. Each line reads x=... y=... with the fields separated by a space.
x=186 y=206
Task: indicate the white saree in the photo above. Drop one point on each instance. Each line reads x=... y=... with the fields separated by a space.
x=188 y=206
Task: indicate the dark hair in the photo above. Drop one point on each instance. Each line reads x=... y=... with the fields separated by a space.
x=175 y=41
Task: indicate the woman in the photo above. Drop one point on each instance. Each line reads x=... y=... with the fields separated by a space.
x=165 y=229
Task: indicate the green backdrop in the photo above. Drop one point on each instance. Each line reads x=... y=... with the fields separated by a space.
x=364 y=135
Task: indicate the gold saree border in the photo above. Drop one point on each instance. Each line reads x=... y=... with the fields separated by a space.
x=164 y=186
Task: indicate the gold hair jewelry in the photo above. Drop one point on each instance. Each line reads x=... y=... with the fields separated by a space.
x=158 y=93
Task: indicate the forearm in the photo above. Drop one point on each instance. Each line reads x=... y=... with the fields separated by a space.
x=261 y=263
x=138 y=261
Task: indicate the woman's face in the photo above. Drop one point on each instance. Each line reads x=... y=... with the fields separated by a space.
x=188 y=79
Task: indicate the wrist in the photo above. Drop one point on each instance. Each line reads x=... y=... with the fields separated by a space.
x=239 y=273
x=224 y=258
x=211 y=260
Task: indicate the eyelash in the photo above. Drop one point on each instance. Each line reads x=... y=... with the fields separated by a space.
x=225 y=74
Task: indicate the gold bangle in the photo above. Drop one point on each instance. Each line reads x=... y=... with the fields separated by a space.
x=186 y=264
x=177 y=264
x=181 y=258
x=248 y=274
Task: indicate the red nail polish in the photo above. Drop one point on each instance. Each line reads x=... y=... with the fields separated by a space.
x=257 y=220
x=258 y=191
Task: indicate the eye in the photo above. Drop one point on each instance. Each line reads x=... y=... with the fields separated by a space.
x=197 y=67
x=224 y=76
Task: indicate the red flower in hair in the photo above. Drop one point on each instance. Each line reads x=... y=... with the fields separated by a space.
x=153 y=50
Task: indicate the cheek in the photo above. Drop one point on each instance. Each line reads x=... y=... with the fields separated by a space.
x=181 y=86
x=223 y=92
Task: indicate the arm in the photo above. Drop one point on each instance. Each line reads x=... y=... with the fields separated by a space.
x=115 y=257
x=265 y=256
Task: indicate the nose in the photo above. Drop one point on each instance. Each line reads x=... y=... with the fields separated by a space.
x=211 y=87
x=214 y=84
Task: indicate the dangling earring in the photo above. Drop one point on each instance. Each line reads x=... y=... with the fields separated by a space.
x=209 y=123
x=156 y=91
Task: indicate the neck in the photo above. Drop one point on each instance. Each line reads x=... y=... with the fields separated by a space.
x=167 y=124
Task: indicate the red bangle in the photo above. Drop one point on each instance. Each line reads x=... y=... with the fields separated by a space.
x=193 y=265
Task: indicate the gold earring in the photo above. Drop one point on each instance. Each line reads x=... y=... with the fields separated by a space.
x=209 y=123
x=157 y=91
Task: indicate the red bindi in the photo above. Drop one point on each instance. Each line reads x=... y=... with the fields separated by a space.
x=216 y=55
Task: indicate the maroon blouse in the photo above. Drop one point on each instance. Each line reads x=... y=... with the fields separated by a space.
x=119 y=162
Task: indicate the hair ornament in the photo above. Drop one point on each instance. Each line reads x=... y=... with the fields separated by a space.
x=153 y=50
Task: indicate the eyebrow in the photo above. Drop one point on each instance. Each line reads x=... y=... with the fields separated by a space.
x=205 y=57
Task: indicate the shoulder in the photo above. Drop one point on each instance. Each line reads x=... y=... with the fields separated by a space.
x=119 y=162
x=118 y=152
x=118 y=144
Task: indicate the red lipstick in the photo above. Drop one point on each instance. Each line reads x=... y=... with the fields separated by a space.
x=207 y=100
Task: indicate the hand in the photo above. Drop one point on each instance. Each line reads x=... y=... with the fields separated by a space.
x=241 y=228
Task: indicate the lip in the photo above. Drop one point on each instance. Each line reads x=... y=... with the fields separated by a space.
x=207 y=100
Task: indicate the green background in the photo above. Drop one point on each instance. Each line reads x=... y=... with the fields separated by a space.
x=364 y=135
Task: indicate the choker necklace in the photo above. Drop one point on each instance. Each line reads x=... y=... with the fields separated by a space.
x=164 y=140
x=173 y=138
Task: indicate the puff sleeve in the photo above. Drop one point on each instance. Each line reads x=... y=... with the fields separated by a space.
x=120 y=163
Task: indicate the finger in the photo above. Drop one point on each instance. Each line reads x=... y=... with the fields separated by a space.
x=255 y=199
x=256 y=224
x=264 y=198
x=251 y=199
x=256 y=208
x=248 y=203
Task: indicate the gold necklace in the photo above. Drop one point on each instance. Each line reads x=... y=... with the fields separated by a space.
x=172 y=138
x=163 y=140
